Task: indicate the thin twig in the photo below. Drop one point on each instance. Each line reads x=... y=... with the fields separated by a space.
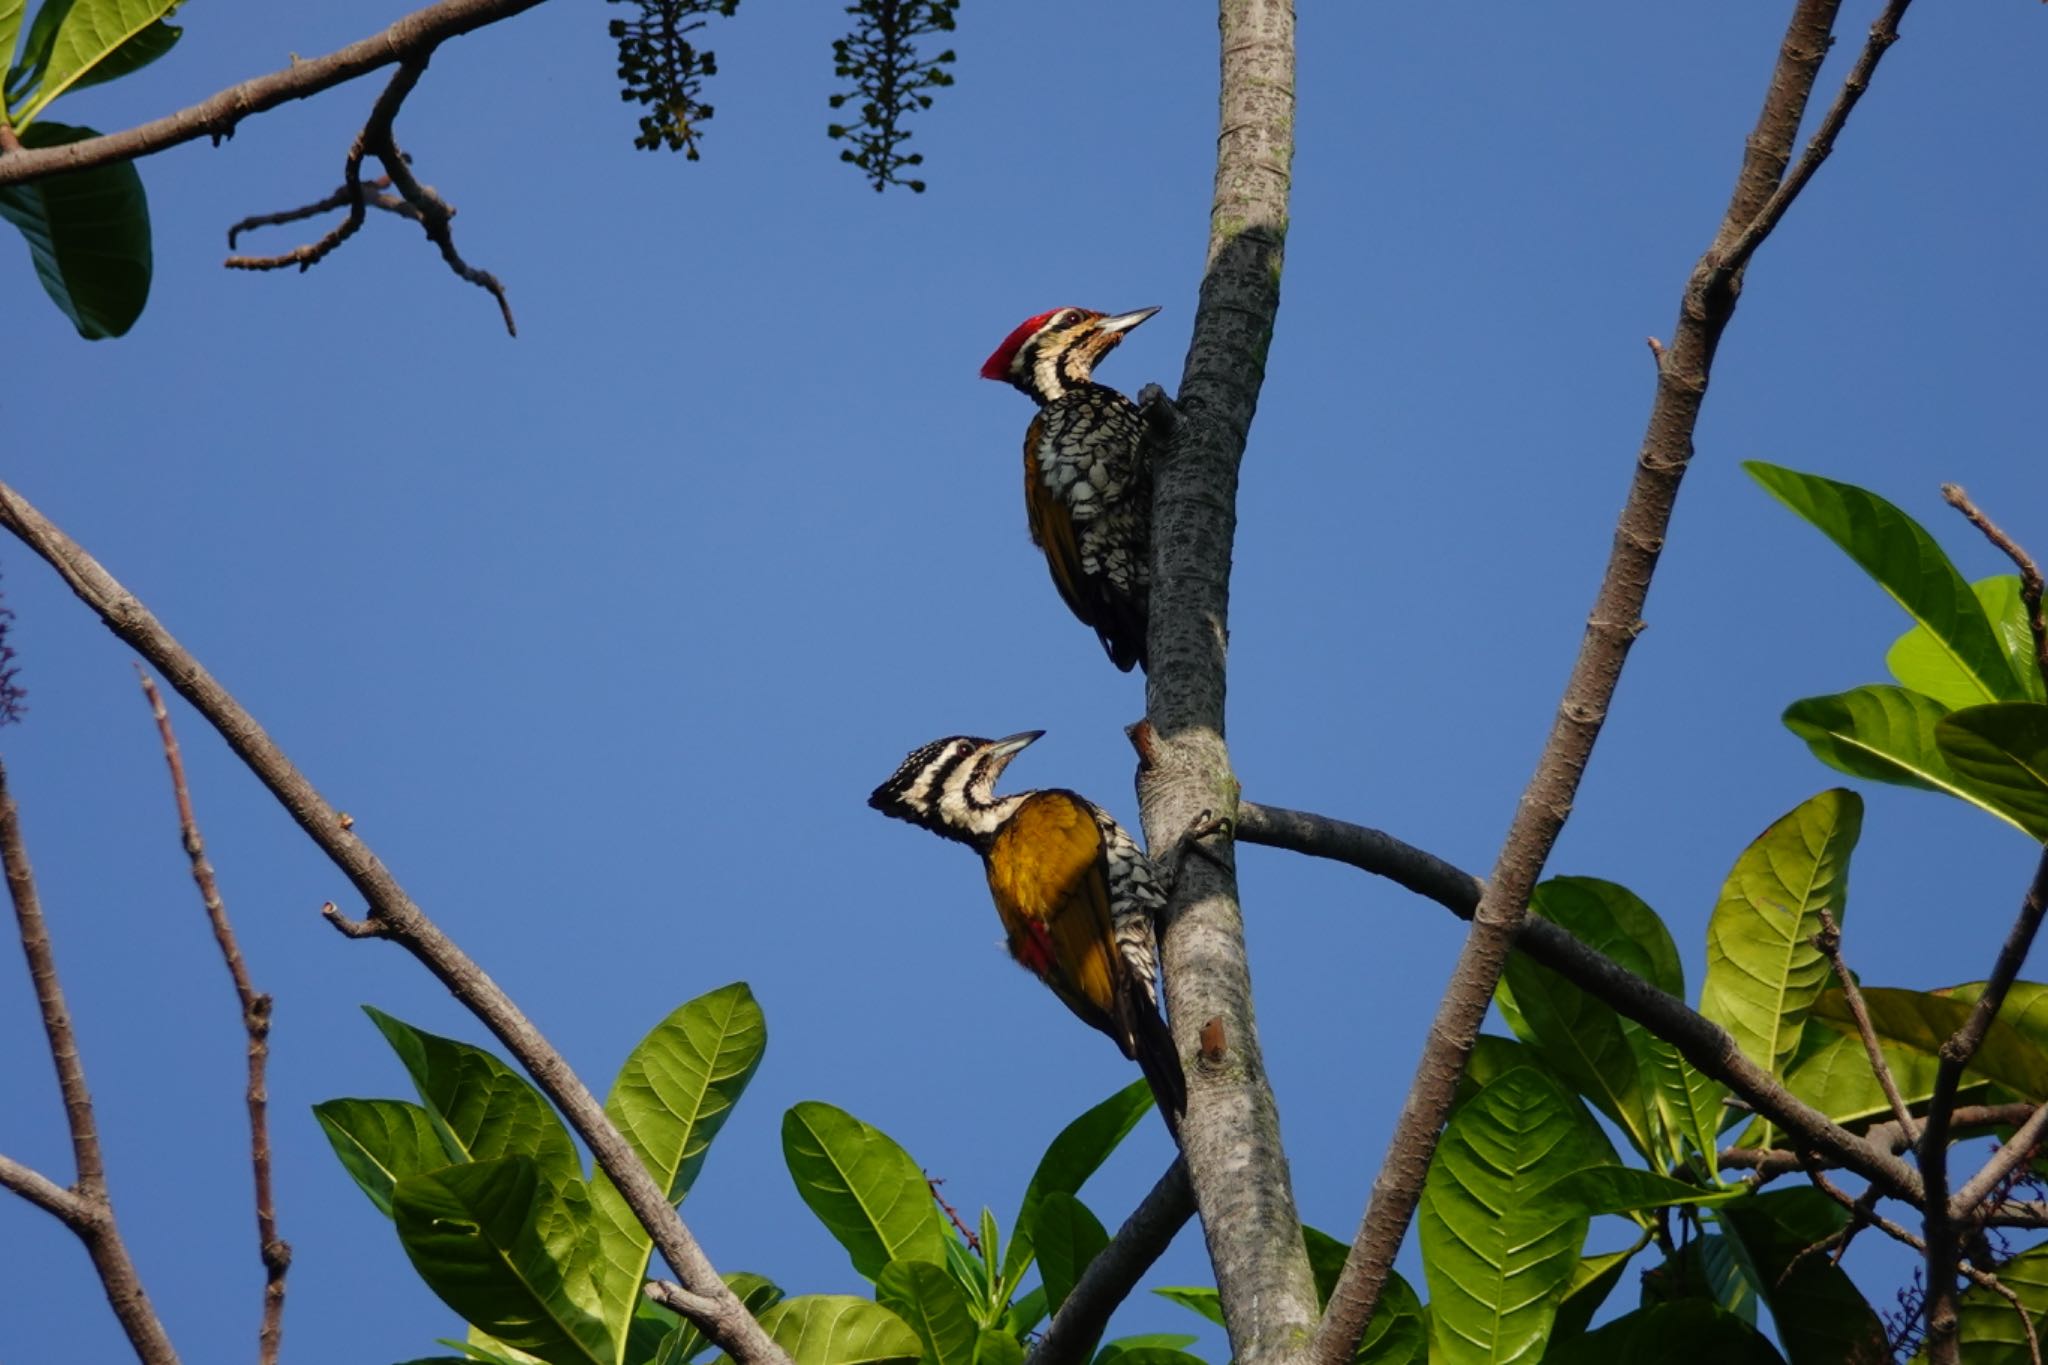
x=1943 y=1253
x=415 y=201
x=2030 y=572
x=952 y=1214
x=340 y=198
x=272 y=1250
x=1116 y=1270
x=1886 y=1136
x=2017 y=1149
x=421 y=31
x=1762 y=194
x=1829 y=941
x=90 y=1208
x=722 y=1317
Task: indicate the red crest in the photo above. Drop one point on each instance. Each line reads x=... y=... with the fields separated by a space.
x=997 y=366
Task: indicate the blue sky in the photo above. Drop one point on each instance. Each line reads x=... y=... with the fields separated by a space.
x=603 y=634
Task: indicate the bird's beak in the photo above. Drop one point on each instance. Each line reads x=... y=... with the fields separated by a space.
x=1124 y=322
x=1013 y=745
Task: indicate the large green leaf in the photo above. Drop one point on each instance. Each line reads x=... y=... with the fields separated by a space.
x=1990 y=1327
x=1822 y=1318
x=1836 y=1079
x=1593 y=1279
x=1919 y=662
x=1498 y=1248
x=10 y=31
x=1684 y=1332
x=1710 y=1266
x=838 y=1329
x=1907 y=563
x=2000 y=755
x=994 y=1346
x=481 y=1107
x=1197 y=1299
x=1763 y=972
x=88 y=236
x=1628 y=1189
x=93 y=33
x=1399 y=1331
x=35 y=52
x=1886 y=734
x=671 y=1097
x=1583 y=1040
x=934 y=1306
x=380 y=1142
x=864 y=1188
x=504 y=1246
x=1081 y=1147
x=1069 y=1237
x=1922 y=1021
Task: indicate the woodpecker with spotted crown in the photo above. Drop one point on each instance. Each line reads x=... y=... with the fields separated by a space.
x=1087 y=487
x=1077 y=897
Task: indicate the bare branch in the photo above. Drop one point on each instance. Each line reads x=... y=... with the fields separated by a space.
x=417 y=33
x=1699 y=1040
x=1886 y=1137
x=85 y=1208
x=1943 y=1252
x=1112 y=1275
x=2030 y=572
x=415 y=201
x=724 y=1319
x=340 y=198
x=1762 y=194
x=1829 y=941
x=272 y=1250
x=1231 y=1131
x=2008 y=1158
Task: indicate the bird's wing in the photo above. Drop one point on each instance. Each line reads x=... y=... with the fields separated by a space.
x=1051 y=886
x=1052 y=525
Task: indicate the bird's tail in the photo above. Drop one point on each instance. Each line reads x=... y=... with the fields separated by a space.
x=1152 y=1048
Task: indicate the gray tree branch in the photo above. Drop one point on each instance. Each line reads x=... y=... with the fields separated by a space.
x=1762 y=194
x=1115 y=1272
x=413 y=36
x=394 y=916
x=1231 y=1134
x=85 y=1208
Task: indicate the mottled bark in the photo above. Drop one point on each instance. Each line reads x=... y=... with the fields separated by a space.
x=1231 y=1135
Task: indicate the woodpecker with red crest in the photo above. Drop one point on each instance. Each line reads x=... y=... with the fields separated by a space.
x=1076 y=895
x=1087 y=488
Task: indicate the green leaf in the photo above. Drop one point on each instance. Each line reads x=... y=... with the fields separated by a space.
x=1582 y=1038
x=1685 y=1332
x=1592 y=1281
x=1922 y=1021
x=481 y=1107
x=924 y=1296
x=1836 y=1079
x=1399 y=1331
x=1713 y=1267
x=10 y=31
x=503 y=1246
x=838 y=1329
x=1626 y=1189
x=1917 y=660
x=994 y=1346
x=1206 y=1302
x=674 y=1093
x=35 y=51
x=864 y=1188
x=1763 y=972
x=1069 y=1237
x=1326 y=1257
x=2000 y=755
x=1498 y=1249
x=1990 y=1329
x=91 y=33
x=1081 y=1147
x=380 y=1142
x=1118 y=1353
x=685 y=1342
x=1907 y=563
x=1027 y=1312
x=88 y=236
x=1821 y=1317
x=1883 y=733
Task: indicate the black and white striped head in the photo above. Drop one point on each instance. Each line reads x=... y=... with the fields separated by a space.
x=1054 y=352
x=949 y=786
